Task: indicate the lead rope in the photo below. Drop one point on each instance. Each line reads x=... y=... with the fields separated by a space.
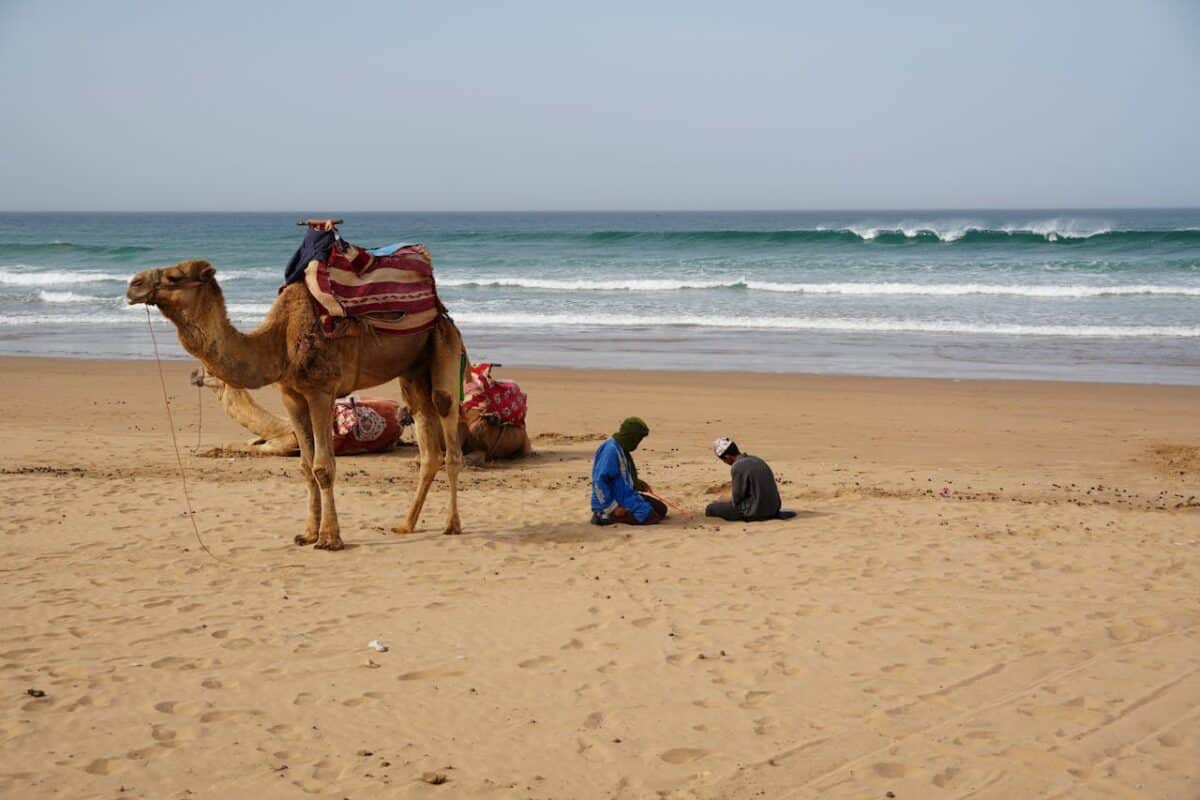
x=191 y=514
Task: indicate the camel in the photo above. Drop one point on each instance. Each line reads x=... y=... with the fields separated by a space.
x=289 y=348
x=274 y=435
x=478 y=432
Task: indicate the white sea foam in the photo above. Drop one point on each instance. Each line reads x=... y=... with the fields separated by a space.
x=843 y=325
x=22 y=275
x=842 y=288
x=960 y=289
x=18 y=276
x=601 y=320
x=74 y=319
x=69 y=297
x=953 y=230
x=584 y=285
x=248 y=309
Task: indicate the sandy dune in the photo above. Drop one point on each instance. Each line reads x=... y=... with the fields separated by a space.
x=990 y=592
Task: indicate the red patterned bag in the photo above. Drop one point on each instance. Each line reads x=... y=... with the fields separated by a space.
x=365 y=425
x=502 y=400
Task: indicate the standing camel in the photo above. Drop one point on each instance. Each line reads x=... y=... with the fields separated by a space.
x=290 y=349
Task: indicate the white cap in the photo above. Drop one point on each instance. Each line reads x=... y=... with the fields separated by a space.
x=721 y=445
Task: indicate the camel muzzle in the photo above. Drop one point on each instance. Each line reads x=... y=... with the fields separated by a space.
x=143 y=287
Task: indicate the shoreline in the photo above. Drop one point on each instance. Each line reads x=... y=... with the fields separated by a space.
x=176 y=358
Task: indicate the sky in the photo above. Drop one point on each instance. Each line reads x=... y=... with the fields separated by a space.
x=558 y=105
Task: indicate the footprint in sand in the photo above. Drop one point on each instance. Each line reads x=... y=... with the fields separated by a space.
x=241 y=643
x=682 y=755
x=539 y=661
x=103 y=766
x=425 y=674
x=173 y=662
x=890 y=769
x=946 y=777
x=162 y=734
x=752 y=699
x=221 y=716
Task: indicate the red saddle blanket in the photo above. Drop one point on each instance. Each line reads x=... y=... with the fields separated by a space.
x=503 y=400
x=394 y=293
x=365 y=425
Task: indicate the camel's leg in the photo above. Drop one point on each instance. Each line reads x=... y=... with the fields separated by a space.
x=324 y=468
x=297 y=409
x=425 y=427
x=449 y=358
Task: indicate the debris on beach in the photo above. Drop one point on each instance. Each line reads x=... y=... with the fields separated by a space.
x=436 y=778
x=377 y=646
x=35 y=693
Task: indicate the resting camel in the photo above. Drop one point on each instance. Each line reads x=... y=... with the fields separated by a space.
x=478 y=432
x=289 y=348
x=274 y=435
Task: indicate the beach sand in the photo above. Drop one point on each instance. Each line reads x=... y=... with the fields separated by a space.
x=991 y=591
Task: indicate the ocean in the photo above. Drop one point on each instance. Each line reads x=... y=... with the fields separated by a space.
x=1064 y=295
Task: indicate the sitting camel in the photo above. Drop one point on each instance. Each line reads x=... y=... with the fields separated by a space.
x=289 y=348
x=478 y=431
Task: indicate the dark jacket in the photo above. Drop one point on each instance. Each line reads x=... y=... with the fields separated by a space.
x=754 y=490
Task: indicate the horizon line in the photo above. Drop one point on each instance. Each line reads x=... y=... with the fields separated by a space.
x=863 y=209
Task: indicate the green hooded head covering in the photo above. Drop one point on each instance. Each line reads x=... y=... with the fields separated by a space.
x=631 y=433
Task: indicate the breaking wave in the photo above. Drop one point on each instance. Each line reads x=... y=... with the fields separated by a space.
x=839 y=288
x=69 y=297
x=840 y=325
x=22 y=276
x=1037 y=233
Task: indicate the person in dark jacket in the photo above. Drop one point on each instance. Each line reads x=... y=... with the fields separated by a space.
x=755 y=495
x=618 y=495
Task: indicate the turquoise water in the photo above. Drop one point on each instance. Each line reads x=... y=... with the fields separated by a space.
x=1073 y=295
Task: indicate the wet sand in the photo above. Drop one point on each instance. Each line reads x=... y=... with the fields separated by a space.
x=990 y=591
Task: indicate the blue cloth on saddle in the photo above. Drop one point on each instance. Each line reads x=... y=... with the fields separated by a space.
x=387 y=250
x=316 y=245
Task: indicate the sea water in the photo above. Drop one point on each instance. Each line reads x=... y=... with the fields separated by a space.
x=1069 y=295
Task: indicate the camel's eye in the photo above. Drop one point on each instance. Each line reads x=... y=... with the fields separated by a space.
x=172 y=279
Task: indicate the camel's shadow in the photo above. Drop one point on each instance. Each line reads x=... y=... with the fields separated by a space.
x=582 y=532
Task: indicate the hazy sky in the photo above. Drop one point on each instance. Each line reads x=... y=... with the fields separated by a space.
x=219 y=105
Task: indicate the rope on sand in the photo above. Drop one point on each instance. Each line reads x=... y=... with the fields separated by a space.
x=191 y=514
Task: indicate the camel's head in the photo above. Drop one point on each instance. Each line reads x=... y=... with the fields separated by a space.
x=169 y=285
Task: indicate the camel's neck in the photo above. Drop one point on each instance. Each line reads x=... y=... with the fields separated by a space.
x=247 y=360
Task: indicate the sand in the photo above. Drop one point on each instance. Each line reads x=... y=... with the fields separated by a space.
x=991 y=591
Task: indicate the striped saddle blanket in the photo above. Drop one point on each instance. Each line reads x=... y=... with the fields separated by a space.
x=390 y=288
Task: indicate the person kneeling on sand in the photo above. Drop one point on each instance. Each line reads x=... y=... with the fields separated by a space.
x=618 y=495
x=755 y=495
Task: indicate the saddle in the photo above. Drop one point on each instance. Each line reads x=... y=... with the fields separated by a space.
x=502 y=402
x=390 y=289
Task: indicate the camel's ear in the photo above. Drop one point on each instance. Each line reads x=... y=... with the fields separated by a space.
x=207 y=272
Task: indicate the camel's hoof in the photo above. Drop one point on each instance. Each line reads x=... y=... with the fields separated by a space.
x=403 y=530
x=303 y=540
x=335 y=545
x=452 y=530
